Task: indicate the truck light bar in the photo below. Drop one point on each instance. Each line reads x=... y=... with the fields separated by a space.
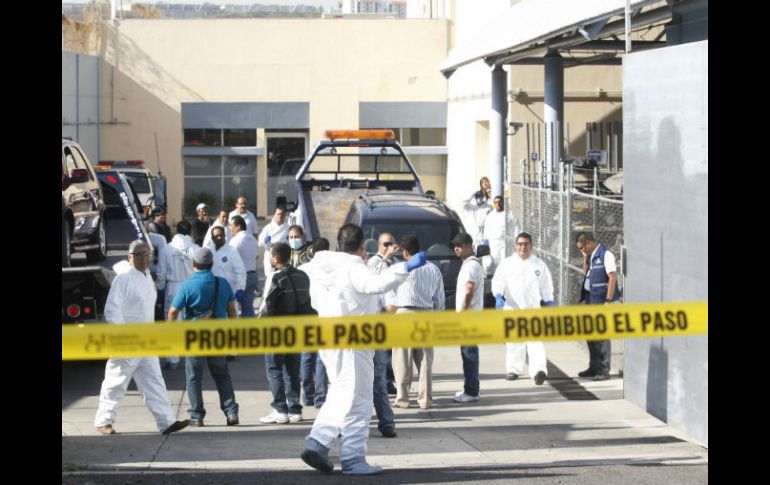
x=360 y=134
x=129 y=163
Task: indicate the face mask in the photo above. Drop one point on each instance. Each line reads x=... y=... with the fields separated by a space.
x=295 y=243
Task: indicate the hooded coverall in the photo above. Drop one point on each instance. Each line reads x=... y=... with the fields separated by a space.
x=132 y=299
x=341 y=284
x=523 y=283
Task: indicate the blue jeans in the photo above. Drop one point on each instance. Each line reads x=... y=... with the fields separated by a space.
x=470 y=356
x=385 y=417
x=249 y=294
x=321 y=382
x=283 y=378
x=306 y=374
x=219 y=370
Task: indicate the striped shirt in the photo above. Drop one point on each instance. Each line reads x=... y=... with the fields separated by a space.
x=423 y=288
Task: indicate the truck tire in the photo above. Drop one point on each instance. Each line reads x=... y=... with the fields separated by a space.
x=100 y=253
x=66 y=249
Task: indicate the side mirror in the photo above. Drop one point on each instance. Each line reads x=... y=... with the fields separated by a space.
x=482 y=250
x=78 y=175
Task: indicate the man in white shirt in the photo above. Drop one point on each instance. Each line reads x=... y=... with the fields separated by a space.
x=241 y=209
x=522 y=281
x=220 y=221
x=469 y=296
x=132 y=299
x=276 y=231
x=342 y=285
x=243 y=241
x=422 y=291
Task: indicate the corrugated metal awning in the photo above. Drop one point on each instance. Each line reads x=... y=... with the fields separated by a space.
x=533 y=22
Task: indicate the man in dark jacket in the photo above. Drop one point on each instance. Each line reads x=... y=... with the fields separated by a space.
x=158 y=224
x=201 y=224
x=289 y=294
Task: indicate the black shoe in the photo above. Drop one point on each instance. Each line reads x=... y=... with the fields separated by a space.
x=232 y=420
x=177 y=426
x=601 y=377
x=587 y=373
x=511 y=376
x=392 y=389
x=198 y=423
x=540 y=378
x=389 y=432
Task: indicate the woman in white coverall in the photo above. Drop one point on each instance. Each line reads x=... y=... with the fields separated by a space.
x=521 y=281
x=132 y=299
x=352 y=289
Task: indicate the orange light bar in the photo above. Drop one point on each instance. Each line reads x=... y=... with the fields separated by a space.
x=360 y=134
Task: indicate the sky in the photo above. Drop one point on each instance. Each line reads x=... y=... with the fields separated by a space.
x=325 y=3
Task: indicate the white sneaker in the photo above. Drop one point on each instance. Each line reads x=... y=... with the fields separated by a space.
x=460 y=396
x=295 y=418
x=275 y=417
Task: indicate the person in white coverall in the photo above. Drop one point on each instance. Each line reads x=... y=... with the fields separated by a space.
x=227 y=262
x=522 y=281
x=276 y=231
x=494 y=232
x=132 y=299
x=341 y=284
x=174 y=267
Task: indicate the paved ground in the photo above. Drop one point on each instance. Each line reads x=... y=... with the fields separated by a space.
x=566 y=431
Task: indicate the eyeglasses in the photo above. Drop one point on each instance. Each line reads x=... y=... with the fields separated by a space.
x=143 y=254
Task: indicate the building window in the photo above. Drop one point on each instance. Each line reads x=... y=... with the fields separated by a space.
x=218 y=181
x=207 y=137
x=421 y=137
x=240 y=138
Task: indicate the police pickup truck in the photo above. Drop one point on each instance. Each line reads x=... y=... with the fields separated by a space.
x=85 y=288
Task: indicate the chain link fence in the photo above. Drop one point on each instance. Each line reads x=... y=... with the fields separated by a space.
x=554 y=216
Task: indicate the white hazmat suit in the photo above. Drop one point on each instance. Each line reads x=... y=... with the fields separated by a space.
x=341 y=284
x=523 y=283
x=132 y=299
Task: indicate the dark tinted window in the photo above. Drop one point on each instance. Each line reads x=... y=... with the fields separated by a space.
x=140 y=182
x=202 y=137
x=434 y=237
x=240 y=138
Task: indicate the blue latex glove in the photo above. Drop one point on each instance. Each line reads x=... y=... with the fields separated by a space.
x=239 y=295
x=485 y=242
x=267 y=239
x=499 y=301
x=549 y=303
x=416 y=261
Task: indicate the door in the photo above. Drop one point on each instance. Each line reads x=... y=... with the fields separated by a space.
x=286 y=151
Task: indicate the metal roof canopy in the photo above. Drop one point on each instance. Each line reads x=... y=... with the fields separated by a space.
x=531 y=28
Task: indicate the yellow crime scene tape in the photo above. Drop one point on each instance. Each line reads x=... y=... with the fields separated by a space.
x=295 y=333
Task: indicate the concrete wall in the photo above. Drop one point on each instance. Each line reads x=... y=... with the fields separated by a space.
x=80 y=101
x=665 y=120
x=333 y=64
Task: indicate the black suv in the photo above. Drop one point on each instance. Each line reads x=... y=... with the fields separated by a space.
x=434 y=224
x=82 y=206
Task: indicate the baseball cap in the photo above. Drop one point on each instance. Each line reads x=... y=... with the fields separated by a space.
x=462 y=238
x=201 y=206
x=203 y=256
